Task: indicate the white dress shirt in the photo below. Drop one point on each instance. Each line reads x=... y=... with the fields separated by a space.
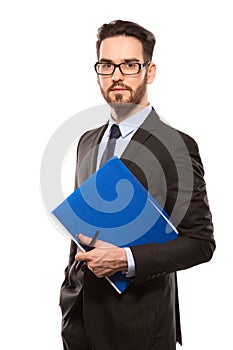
x=128 y=127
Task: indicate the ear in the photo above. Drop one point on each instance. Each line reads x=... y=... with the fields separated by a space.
x=151 y=73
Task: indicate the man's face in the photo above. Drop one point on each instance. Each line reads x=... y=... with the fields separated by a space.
x=119 y=88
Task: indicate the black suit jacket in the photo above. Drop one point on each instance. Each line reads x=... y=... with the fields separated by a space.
x=146 y=316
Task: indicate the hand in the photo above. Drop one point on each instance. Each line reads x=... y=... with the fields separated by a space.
x=105 y=260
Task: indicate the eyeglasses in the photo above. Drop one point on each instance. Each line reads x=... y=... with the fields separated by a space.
x=129 y=68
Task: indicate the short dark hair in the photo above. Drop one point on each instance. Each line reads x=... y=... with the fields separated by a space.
x=127 y=28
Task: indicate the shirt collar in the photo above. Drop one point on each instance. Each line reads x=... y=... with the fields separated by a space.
x=130 y=124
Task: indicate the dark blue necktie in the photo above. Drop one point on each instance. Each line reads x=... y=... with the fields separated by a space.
x=109 y=150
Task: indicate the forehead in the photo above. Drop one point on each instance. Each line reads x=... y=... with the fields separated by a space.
x=120 y=48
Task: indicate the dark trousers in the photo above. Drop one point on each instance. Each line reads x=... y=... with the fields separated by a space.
x=73 y=332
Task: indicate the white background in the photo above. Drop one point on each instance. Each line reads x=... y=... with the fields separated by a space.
x=46 y=77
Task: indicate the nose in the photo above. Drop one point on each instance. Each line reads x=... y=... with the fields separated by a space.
x=117 y=75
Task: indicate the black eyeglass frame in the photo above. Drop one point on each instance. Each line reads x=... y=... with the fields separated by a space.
x=140 y=66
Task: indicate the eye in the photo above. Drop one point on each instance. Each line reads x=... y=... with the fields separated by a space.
x=130 y=65
x=106 y=65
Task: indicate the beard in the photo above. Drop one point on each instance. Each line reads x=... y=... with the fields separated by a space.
x=124 y=107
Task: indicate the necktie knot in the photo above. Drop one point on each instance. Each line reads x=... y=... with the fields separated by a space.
x=115 y=132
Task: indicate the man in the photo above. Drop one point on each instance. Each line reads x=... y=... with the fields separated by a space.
x=167 y=163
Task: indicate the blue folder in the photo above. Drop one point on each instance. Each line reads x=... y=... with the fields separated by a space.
x=115 y=203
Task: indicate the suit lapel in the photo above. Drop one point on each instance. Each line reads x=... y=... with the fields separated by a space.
x=94 y=147
x=140 y=137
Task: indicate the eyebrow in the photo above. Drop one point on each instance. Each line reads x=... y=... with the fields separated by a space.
x=126 y=60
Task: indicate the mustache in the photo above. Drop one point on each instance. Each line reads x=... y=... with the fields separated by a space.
x=118 y=84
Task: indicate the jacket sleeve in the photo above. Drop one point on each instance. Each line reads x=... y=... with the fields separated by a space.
x=195 y=243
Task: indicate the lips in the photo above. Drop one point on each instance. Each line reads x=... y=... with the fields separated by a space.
x=118 y=89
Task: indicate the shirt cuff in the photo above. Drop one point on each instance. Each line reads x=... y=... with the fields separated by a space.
x=131 y=263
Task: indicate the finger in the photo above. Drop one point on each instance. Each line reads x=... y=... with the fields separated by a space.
x=84 y=239
x=80 y=256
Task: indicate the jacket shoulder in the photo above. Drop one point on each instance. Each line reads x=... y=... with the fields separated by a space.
x=174 y=133
x=90 y=134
